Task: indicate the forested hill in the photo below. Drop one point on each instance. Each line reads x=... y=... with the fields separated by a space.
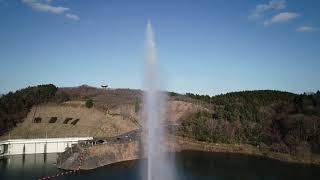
x=15 y=106
x=283 y=121
x=244 y=105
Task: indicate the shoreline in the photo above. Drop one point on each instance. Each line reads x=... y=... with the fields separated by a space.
x=246 y=149
x=106 y=154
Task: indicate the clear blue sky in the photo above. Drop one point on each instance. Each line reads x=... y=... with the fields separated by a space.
x=204 y=46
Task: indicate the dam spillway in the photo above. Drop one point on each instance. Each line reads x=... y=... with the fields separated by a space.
x=38 y=146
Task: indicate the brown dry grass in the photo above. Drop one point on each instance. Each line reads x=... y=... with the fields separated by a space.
x=180 y=110
x=113 y=114
x=92 y=122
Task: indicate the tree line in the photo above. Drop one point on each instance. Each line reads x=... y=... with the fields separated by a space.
x=243 y=105
x=14 y=106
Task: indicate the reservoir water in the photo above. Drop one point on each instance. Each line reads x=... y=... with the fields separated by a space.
x=190 y=165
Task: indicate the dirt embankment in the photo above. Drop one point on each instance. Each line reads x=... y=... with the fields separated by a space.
x=101 y=155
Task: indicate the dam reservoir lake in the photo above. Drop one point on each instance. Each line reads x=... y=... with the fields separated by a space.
x=190 y=165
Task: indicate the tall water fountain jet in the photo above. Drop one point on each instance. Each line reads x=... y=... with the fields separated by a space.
x=159 y=163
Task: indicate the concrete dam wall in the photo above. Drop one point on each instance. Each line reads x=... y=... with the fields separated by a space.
x=36 y=146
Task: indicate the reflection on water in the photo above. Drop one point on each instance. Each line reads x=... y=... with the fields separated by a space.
x=201 y=165
x=29 y=166
x=190 y=165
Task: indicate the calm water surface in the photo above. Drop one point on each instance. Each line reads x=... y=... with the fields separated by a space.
x=190 y=165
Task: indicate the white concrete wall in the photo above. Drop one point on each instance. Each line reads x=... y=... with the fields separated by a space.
x=36 y=146
x=1 y=149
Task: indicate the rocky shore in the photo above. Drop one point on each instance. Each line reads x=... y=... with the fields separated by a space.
x=104 y=154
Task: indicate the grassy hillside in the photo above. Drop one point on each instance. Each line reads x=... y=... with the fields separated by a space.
x=19 y=110
x=67 y=113
x=70 y=119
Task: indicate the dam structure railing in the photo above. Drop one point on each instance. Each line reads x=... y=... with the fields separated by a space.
x=38 y=146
